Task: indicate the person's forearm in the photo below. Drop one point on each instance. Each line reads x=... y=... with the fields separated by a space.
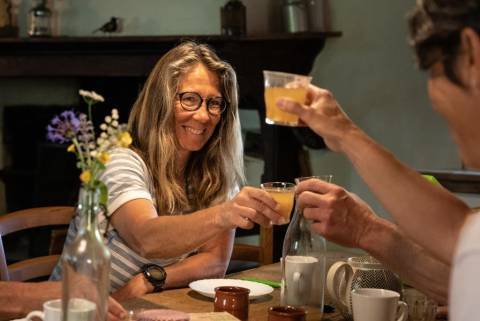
x=211 y=262
x=19 y=298
x=388 y=244
x=168 y=236
x=430 y=215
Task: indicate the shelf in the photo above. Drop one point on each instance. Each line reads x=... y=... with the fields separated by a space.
x=135 y=56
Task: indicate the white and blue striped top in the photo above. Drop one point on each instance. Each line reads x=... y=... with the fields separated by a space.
x=127 y=178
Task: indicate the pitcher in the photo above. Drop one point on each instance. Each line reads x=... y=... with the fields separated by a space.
x=303 y=266
x=358 y=272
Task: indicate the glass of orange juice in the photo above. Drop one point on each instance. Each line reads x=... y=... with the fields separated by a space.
x=283 y=193
x=282 y=84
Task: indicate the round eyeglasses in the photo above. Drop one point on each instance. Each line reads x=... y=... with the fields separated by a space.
x=191 y=101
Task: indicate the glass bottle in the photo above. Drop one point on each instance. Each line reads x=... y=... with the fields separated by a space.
x=303 y=266
x=234 y=18
x=40 y=20
x=86 y=261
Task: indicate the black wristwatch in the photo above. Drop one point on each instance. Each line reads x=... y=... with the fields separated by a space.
x=156 y=275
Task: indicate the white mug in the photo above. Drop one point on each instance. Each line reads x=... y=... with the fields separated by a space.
x=378 y=305
x=78 y=310
x=299 y=278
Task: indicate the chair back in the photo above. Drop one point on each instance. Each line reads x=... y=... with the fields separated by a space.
x=26 y=219
x=262 y=253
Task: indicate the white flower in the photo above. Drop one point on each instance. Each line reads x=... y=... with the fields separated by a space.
x=114 y=113
x=108 y=119
x=93 y=153
x=103 y=126
x=92 y=95
x=114 y=123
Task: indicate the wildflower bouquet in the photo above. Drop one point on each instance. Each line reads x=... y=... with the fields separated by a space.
x=92 y=152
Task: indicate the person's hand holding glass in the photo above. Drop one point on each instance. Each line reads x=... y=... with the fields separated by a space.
x=286 y=85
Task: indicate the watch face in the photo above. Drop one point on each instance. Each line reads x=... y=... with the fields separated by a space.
x=156 y=273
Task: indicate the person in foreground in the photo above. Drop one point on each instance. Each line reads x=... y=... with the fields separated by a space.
x=174 y=195
x=445 y=35
x=17 y=299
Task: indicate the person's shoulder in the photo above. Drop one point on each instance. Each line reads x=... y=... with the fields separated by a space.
x=125 y=153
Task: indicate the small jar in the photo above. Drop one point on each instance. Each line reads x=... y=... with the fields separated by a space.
x=40 y=20
x=232 y=299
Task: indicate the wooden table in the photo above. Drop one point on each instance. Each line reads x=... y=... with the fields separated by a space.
x=190 y=301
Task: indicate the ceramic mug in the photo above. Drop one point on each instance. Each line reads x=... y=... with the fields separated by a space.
x=358 y=272
x=78 y=310
x=378 y=305
x=286 y=313
x=232 y=299
x=299 y=271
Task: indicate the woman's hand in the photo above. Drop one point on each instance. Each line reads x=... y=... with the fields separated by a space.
x=251 y=205
x=115 y=311
x=136 y=287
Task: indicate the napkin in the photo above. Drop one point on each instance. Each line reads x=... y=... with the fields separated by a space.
x=273 y=284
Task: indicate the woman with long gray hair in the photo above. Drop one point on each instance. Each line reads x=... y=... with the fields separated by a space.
x=174 y=194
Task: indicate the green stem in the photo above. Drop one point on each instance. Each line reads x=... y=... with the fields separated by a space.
x=79 y=152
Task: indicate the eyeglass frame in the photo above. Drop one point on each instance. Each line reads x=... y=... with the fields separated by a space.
x=202 y=99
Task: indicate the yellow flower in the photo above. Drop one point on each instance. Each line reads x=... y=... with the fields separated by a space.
x=71 y=148
x=85 y=176
x=124 y=139
x=104 y=157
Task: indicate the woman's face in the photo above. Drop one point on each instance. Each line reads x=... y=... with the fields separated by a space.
x=194 y=128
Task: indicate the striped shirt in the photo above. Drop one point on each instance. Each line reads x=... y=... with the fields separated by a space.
x=127 y=178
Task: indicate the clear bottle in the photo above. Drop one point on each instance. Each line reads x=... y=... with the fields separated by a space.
x=86 y=261
x=234 y=18
x=40 y=20
x=303 y=266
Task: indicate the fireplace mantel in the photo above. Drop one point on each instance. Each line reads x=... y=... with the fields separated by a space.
x=135 y=56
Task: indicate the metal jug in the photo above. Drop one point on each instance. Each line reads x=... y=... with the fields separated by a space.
x=295 y=16
x=358 y=272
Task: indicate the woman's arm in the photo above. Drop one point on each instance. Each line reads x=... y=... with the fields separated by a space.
x=168 y=236
x=210 y=262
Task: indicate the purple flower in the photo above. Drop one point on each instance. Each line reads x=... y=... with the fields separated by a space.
x=63 y=127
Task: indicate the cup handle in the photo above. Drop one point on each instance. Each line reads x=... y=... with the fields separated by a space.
x=33 y=314
x=336 y=286
x=402 y=311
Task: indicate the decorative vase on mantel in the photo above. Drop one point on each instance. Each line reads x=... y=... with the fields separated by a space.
x=86 y=261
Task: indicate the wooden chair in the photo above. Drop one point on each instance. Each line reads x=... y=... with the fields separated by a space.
x=245 y=256
x=25 y=219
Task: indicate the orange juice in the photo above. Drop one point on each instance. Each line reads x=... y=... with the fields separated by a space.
x=285 y=199
x=274 y=114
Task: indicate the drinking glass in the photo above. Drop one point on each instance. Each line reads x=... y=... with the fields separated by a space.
x=283 y=193
x=326 y=177
x=282 y=84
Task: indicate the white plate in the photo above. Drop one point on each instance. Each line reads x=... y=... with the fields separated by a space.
x=207 y=287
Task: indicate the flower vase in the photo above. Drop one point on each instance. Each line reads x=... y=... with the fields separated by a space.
x=86 y=262
x=303 y=266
